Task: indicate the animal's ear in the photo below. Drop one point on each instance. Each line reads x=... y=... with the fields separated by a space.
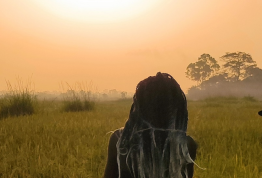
x=260 y=113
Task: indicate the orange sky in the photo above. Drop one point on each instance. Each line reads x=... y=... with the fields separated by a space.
x=37 y=42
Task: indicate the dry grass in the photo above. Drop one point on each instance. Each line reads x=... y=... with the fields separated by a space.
x=55 y=144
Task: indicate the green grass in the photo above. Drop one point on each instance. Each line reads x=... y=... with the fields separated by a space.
x=18 y=101
x=77 y=98
x=75 y=101
x=76 y=105
x=229 y=137
x=51 y=143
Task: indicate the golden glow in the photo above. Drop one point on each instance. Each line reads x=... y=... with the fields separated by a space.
x=98 y=10
x=165 y=35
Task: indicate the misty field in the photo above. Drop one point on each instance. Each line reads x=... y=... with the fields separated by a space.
x=59 y=144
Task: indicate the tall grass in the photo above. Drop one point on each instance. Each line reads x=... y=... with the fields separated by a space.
x=77 y=98
x=229 y=137
x=55 y=144
x=19 y=100
x=58 y=144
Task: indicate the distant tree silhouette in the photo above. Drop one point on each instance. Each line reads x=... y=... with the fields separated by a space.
x=237 y=65
x=254 y=72
x=238 y=77
x=214 y=81
x=202 y=69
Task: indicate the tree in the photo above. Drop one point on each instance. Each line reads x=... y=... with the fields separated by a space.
x=202 y=69
x=214 y=81
x=236 y=65
x=254 y=74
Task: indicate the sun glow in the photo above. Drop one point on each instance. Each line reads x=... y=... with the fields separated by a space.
x=97 y=10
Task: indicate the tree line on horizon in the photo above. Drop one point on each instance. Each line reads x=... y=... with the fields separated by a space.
x=238 y=76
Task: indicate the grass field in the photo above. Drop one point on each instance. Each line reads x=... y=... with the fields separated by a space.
x=59 y=144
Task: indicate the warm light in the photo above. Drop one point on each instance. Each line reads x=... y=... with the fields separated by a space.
x=97 y=10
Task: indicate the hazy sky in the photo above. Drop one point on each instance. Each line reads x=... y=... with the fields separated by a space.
x=116 y=47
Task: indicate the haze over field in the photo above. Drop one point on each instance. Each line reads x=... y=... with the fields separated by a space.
x=117 y=45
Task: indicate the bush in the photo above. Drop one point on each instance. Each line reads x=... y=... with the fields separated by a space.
x=250 y=99
x=17 y=102
x=77 y=100
x=76 y=105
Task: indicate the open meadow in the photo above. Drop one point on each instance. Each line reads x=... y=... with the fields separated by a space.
x=59 y=144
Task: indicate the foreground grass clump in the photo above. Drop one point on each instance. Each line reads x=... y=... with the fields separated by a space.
x=74 y=144
x=17 y=102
